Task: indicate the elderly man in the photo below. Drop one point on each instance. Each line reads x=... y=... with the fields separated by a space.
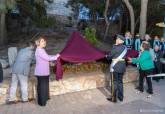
x=20 y=72
x=117 y=68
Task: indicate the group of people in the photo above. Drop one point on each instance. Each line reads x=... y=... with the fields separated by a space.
x=157 y=49
x=148 y=62
x=21 y=69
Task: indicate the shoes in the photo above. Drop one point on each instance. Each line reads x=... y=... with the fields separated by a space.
x=31 y=99
x=149 y=96
x=120 y=99
x=138 y=92
x=110 y=99
x=137 y=88
x=11 y=102
x=24 y=101
x=150 y=92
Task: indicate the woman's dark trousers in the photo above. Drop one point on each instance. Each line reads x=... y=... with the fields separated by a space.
x=144 y=74
x=43 y=89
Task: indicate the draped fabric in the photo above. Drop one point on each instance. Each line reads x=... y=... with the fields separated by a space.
x=77 y=50
x=132 y=53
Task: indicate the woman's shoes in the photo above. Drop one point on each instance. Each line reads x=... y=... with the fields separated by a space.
x=138 y=92
x=149 y=96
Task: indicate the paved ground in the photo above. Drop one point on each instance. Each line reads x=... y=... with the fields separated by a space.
x=94 y=102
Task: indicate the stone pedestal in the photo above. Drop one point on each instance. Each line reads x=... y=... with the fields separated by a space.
x=77 y=82
x=71 y=82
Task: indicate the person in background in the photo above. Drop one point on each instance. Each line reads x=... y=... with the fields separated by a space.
x=117 y=68
x=163 y=45
x=146 y=66
x=151 y=50
x=20 y=72
x=156 y=41
x=163 y=50
x=137 y=42
x=128 y=40
x=149 y=40
x=42 y=71
x=158 y=65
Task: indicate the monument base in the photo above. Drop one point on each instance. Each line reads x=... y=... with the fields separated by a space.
x=71 y=82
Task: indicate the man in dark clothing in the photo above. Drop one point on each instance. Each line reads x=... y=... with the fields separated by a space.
x=117 y=69
x=158 y=65
x=1 y=73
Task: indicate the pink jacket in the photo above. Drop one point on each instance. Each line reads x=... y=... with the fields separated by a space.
x=42 y=62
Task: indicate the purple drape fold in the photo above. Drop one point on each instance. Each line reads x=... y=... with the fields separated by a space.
x=77 y=50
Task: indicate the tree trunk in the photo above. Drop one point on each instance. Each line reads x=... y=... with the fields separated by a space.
x=132 y=16
x=106 y=19
x=143 y=18
x=3 y=23
x=137 y=22
x=121 y=20
x=2 y=29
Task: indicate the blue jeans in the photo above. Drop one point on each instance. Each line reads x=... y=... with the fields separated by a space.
x=24 y=87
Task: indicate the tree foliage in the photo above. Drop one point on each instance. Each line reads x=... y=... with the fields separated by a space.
x=90 y=35
x=95 y=7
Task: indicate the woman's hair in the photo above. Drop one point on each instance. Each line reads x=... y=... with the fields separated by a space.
x=30 y=43
x=145 y=45
x=37 y=42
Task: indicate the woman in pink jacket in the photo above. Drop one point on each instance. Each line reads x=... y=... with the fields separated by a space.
x=42 y=71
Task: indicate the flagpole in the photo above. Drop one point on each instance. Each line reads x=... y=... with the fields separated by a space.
x=112 y=86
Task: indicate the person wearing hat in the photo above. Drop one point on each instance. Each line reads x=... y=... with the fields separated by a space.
x=117 y=68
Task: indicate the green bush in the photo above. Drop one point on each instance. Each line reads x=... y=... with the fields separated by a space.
x=90 y=35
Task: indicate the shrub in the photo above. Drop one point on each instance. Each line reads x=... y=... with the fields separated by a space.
x=90 y=35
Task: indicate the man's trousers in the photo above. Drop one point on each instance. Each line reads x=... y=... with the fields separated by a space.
x=117 y=86
x=24 y=87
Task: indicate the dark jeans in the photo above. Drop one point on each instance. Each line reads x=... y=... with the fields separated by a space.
x=43 y=89
x=144 y=74
x=158 y=70
x=1 y=73
x=117 y=86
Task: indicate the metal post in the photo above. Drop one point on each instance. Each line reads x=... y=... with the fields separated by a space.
x=112 y=86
